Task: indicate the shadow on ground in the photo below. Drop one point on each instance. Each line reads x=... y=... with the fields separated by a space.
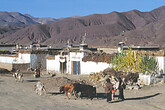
x=54 y=93
x=144 y=97
x=32 y=80
x=101 y=96
x=136 y=98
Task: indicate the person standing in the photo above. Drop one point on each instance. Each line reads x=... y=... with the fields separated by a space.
x=108 y=89
x=121 y=88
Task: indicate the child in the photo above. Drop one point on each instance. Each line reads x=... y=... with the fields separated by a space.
x=113 y=93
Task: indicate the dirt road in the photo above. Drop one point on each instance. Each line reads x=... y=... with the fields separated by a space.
x=20 y=96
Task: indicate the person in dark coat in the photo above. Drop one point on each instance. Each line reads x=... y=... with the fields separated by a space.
x=37 y=72
x=108 y=90
x=121 y=88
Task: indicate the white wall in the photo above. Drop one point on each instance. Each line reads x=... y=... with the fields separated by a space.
x=85 y=67
x=57 y=63
x=23 y=58
x=161 y=63
x=53 y=64
x=89 y=67
x=6 y=59
x=50 y=65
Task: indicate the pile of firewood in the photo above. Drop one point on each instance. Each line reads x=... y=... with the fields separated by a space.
x=97 y=78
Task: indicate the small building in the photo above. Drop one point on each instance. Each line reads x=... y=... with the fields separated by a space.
x=24 y=59
x=71 y=62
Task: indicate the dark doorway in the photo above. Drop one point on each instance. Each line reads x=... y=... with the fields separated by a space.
x=76 y=67
x=63 y=67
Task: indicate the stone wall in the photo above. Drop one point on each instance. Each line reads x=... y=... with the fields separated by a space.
x=22 y=66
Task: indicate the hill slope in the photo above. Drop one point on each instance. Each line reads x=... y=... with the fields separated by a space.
x=141 y=28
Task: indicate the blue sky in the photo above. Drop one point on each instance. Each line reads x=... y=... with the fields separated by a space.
x=68 y=8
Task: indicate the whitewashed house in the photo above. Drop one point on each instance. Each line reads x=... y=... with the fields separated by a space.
x=23 y=59
x=71 y=62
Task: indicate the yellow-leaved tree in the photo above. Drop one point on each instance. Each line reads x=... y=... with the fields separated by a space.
x=131 y=61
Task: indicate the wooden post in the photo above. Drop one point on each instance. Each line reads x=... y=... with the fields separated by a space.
x=62 y=68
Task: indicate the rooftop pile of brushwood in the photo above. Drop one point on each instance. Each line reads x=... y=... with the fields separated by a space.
x=98 y=57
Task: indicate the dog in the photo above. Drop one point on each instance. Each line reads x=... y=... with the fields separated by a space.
x=39 y=88
x=18 y=76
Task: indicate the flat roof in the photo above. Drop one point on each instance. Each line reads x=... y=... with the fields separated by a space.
x=142 y=47
x=7 y=45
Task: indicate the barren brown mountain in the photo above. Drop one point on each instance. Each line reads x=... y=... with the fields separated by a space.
x=141 y=28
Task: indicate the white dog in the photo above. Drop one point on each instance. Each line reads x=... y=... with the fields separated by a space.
x=39 y=88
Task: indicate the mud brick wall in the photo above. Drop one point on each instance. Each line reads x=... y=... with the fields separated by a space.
x=22 y=67
x=7 y=66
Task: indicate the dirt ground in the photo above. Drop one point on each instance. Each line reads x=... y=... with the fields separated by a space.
x=21 y=96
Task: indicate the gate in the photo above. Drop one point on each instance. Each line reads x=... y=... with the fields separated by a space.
x=76 y=67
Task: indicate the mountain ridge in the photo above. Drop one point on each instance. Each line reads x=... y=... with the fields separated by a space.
x=140 y=28
x=18 y=19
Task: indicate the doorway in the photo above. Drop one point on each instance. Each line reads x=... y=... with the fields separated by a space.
x=76 y=67
x=63 y=67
